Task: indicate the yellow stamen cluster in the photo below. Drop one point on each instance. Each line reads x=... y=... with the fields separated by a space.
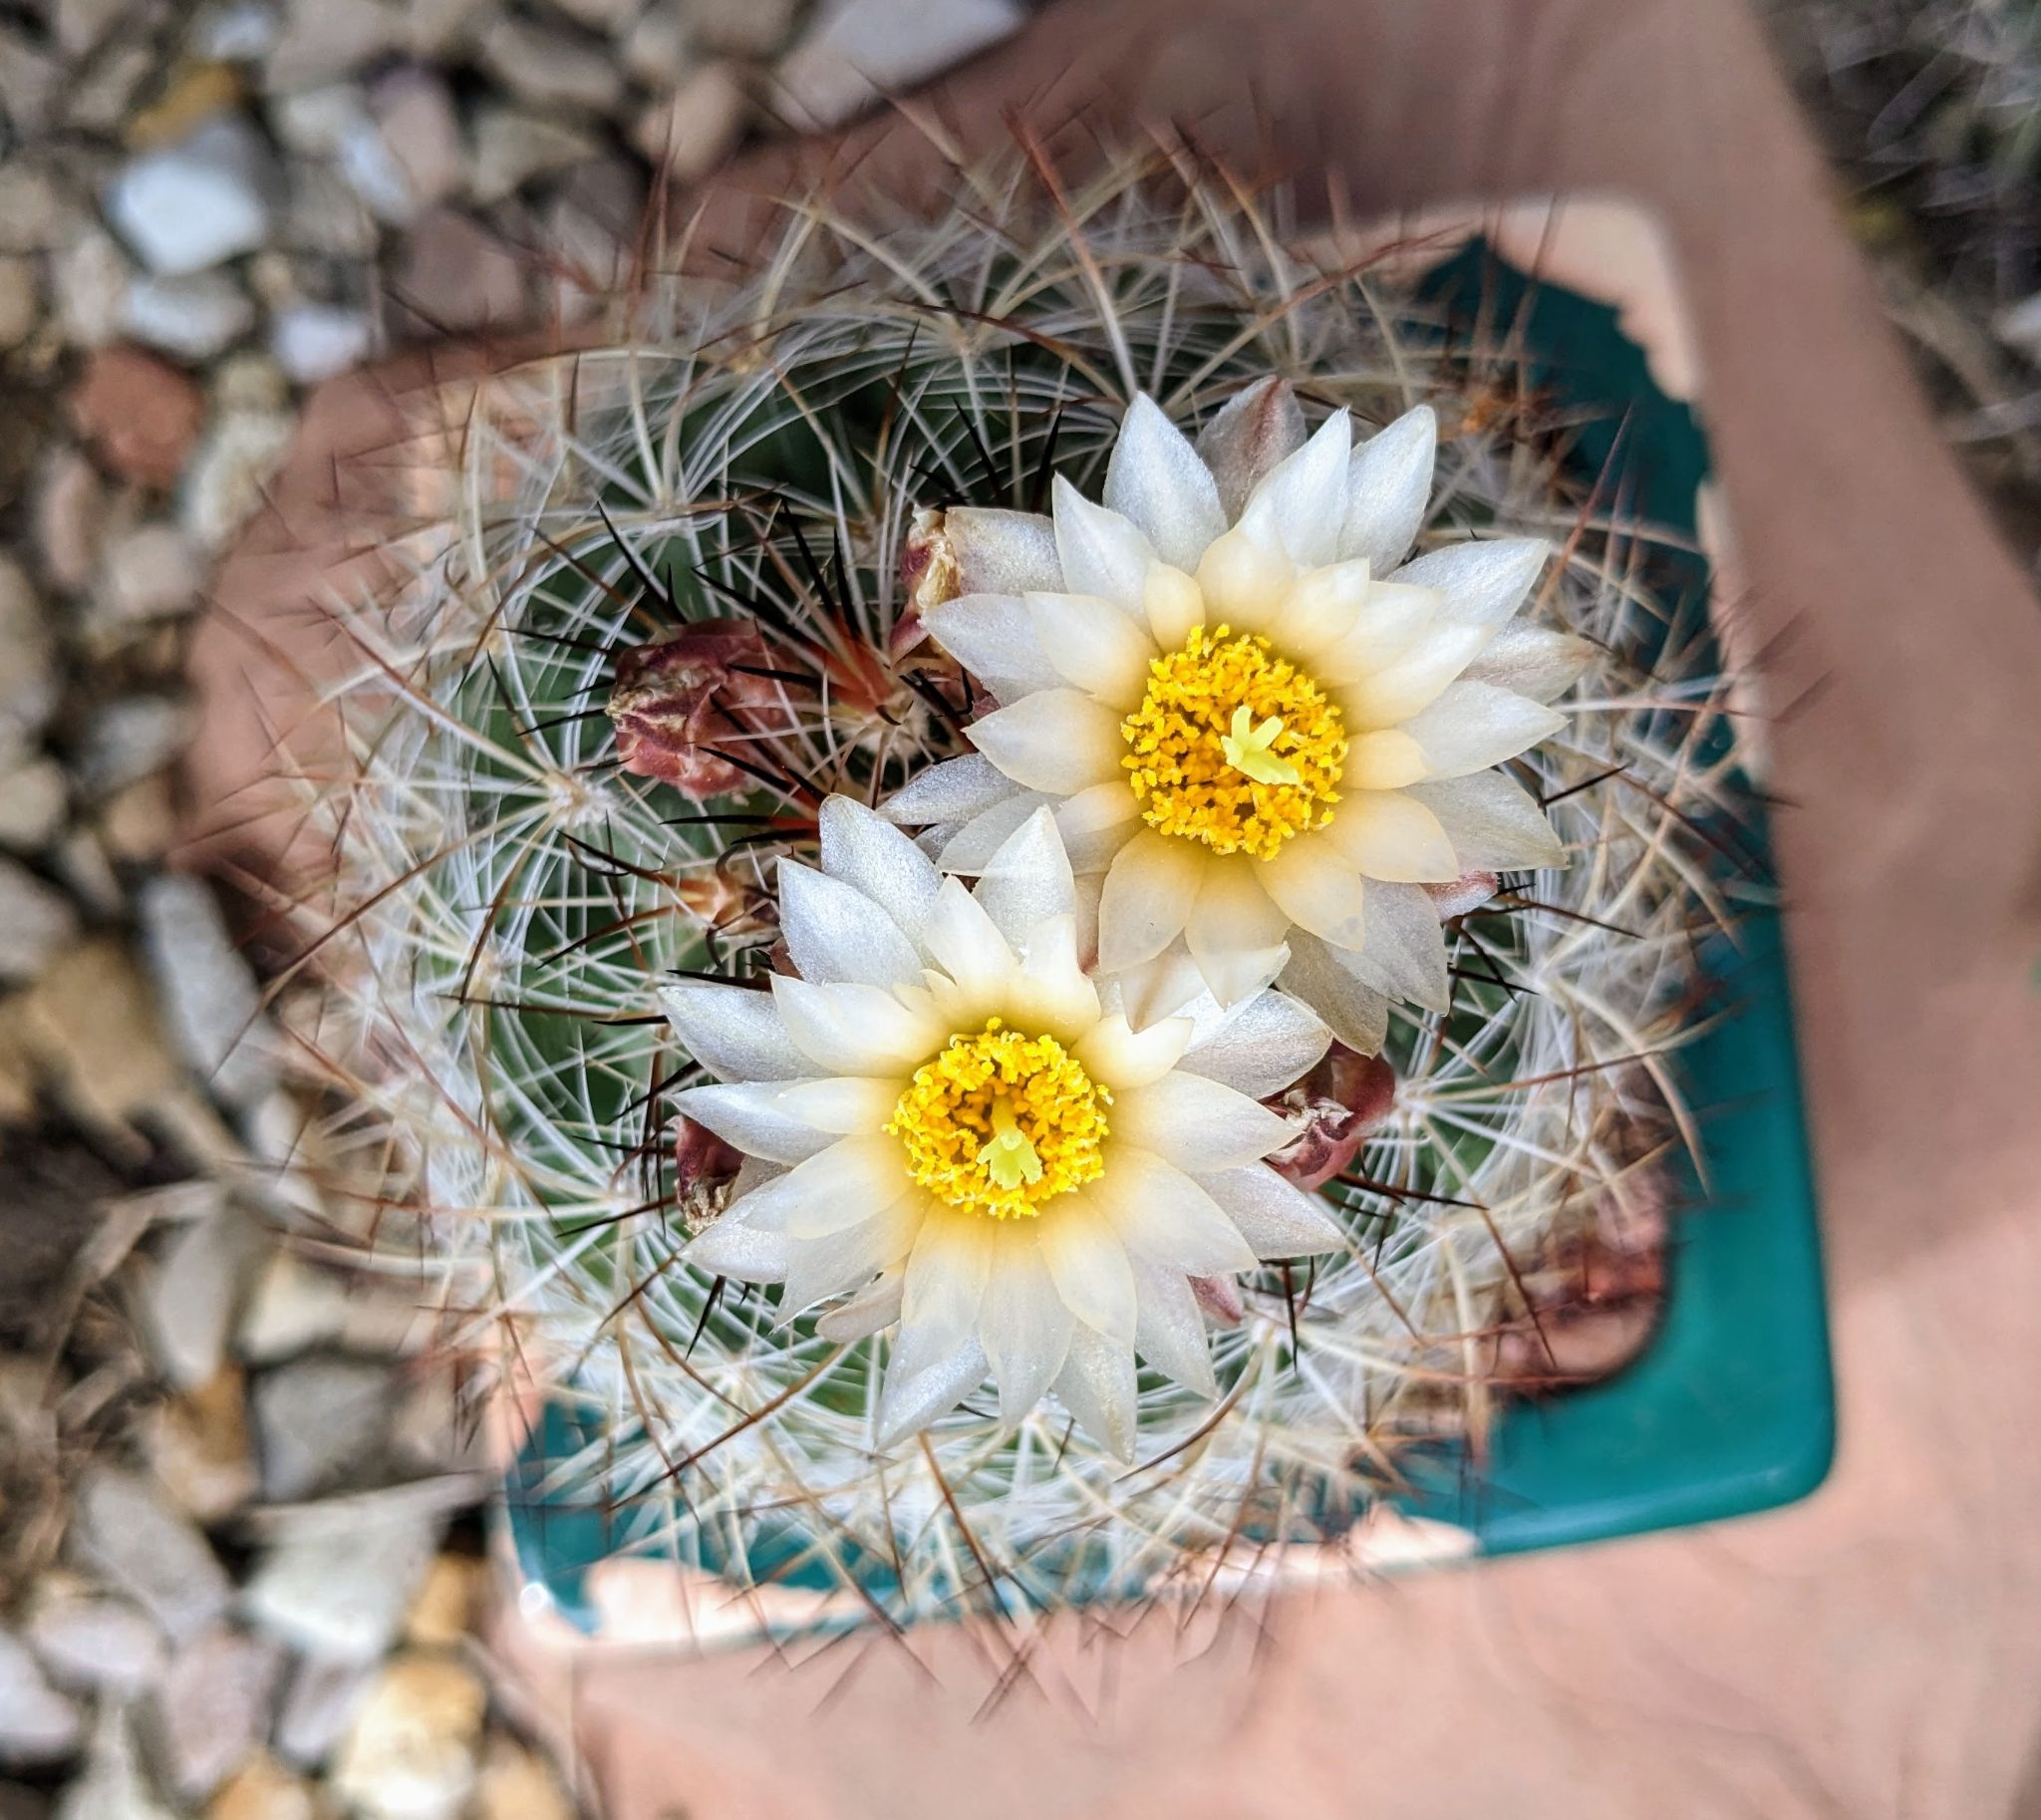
x=1000 y=1123
x=1233 y=746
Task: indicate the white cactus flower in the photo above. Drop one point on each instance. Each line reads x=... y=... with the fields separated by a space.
x=1261 y=724
x=952 y=1127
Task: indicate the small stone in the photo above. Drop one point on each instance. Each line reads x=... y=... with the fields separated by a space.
x=2018 y=325
x=605 y=16
x=32 y=804
x=548 y=68
x=296 y=1305
x=854 y=52
x=90 y=279
x=519 y=1784
x=326 y=38
x=128 y=738
x=322 y=1422
x=211 y=999
x=34 y=215
x=103 y=96
x=112 y=1787
x=263 y=1789
x=143 y=1548
x=197 y=1445
x=95 y=1645
x=444 y=1611
x=325 y=215
x=192 y=205
x=409 y=1752
x=224 y=487
x=413 y=111
x=149 y=572
x=336 y=1582
x=453 y=274
x=698 y=128
x=35 y=921
x=234 y=31
x=28 y=660
x=78 y=25
x=749 y=29
x=29 y=82
x=249 y=381
x=439 y=28
x=38 y=1724
x=138 y=823
x=211 y=1709
x=139 y=412
x=512 y=147
x=317 y=1708
x=658 y=51
x=317 y=341
x=591 y=230
x=195 y=93
x=188 y=1303
x=70 y=518
x=192 y=317
x=20 y=298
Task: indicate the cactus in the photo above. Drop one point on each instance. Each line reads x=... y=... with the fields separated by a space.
x=661 y=601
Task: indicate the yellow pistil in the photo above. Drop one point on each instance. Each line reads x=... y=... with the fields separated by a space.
x=1000 y=1123
x=1233 y=746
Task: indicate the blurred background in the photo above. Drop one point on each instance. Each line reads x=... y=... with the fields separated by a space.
x=206 y=211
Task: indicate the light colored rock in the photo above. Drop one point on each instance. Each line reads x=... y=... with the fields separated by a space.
x=20 y=298
x=592 y=231
x=698 y=127
x=198 y=1447
x=35 y=216
x=93 y=1644
x=317 y=1709
x=444 y=1611
x=336 y=1583
x=210 y=1000
x=296 y=1305
x=453 y=274
x=78 y=25
x=149 y=571
x=854 y=52
x=325 y=215
x=32 y=804
x=326 y=38
x=438 y=28
x=128 y=738
x=194 y=317
x=316 y=341
x=519 y=1784
x=129 y=1535
x=70 y=518
x=223 y=486
x=263 y=1789
x=28 y=660
x=193 y=205
x=750 y=29
x=550 y=68
x=410 y=1754
x=606 y=16
x=413 y=112
x=321 y=1424
x=112 y=1787
x=659 y=50
x=103 y=96
x=30 y=78
x=188 y=1301
x=334 y=122
x=89 y=279
x=138 y=823
x=249 y=381
x=38 y=1724
x=193 y=93
x=511 y=146
x=210 y=1709
x=36 y=920
x=2018 y=325
x=234 y=31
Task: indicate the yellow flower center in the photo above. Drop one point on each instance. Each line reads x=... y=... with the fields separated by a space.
x=1000 y=1123
x=1233 y=746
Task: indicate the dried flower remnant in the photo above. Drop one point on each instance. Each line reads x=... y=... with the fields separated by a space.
x=1336 y=1108
x=688 y=698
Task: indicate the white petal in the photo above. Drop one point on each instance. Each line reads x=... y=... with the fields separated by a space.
x=1095 y=823
x=954 y=790
x=834 y=932
x=1412 y=680
x=971 y=849
x=1148 y=896
x=992 y=636
x=866 y=1312
x=1473 y=726
x=1234 y=932
x=854 y=1029
x=1391 y=620
x=840 y=1187
x=1385 y=759
x=1243 y=579
x=1318 y=887
x=922 y=1385
x=1388 y=481
x=1159 y=988
x=1002 y=552
x=946 y=1276
x=1059 y=741
x=1322 y=610
x=1262 y=1046
x=1156 y=481
x=1357 y=1013
x=747 y=1253
x=1094 y=647
x=1248 y=437
x=1090 y=1270
x=1102 y=552
x=1404 y=950
x=1118 y=1057
x=1053 y=992
x=842 y=1103
x=1533 y=660
x=1390 y=834
x=1097 y=1386
x=1484 y=582
x=732 y=1030
x=820 y=1267
x=964 y=942
x=1169 y=1328
x=1301 y=502
x=1277 y=1218
x=871 y=855
x=1160 y=1214
x=1023 y=1326
x=1027 y=880
x=1173 y=603
x=1196 y=1123
x=1493 y=823
x=748 y=1114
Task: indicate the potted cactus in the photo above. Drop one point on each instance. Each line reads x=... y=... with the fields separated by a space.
x=1056 y=907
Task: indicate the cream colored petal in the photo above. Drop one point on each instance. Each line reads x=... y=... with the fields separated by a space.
x=1234 y=933
x=1098 y=1386
x=1243 y=579
x=1148 y=896
x=1301 y=504
x=1321 y=611
x=752 y=1116
x=1157 y=483
x=970 y=849
x=868 y=854
x=1385 y=759
x=1161 y=1215
x=1023 y=1325
x=1248 y=437
x=1096 y=823
x=1059 y=741
x=992 y=636
x=1169 y=1328
x=1157 y=989
x=1027 y=880
x=1261 y=1046
x=1196 y=1123
x=966 y=943
x=1390 y=623
x=1491 y=822
x=1052 y=992
x=946 y=1276
x=1277 y=1218
x=1102 y=553
x=1317 y=886
x=1355 y=1012
x=849 y=1258
x=1484 y=582
x=1409 y=683
x=872 y=1307
x=843 y=1103
x=855 y=1030
x=1404 y=950
x=747 y=1253
x=1473 y=726
x=954 y=790
x=1390 y=834
x=1002 y=552
x=1088 y=1265
x=925 y=1379
x=1388 y=484
x=1533 y=661
x=1118 y=1057
x=1173 y=603
x=834 y=932
x=1094 y=647
x=851 y=1181
x=732 y=1030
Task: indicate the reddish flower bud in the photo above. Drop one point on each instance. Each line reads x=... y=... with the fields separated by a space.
x=684 y=696
x=1335 y=1108
x=1468 y=892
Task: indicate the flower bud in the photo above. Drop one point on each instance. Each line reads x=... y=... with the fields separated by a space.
x=1335 y=1108
x=684 y=696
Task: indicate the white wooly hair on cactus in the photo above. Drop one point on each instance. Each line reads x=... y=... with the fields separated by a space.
x=506 y=900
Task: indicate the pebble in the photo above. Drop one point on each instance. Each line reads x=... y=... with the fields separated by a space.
x=453 y=274
x=211 y=1709
x=70 y=519
x=223 y=486
x=325 y=39
x=112 y=1787
x=752 y=29
x=127 y=738
x=194 y=93
x=188 y=1301
x=608 y=16
x=335 y=1584
x=296 y=1305
x=856 y=50
x=413 y=112
x=90 y=279
x=29 y=81
x=409 y=1752
x=2018 y=325
x=139 y=413
x=591 y=228
x=234 y=31
x=512 y=147
x=197 y=1445
x=36 y=920
x=317 y=341
x=103 y=96
x=317 y=1709
x=444 y=1610
x=193 y=205
x=698 y=126
x=263 y=1789
x=28 y=661
x=38 y=1724
x=212 y=1005
x=519 y=1784
x=33 y=800
x=20 y=298
x=550 y=68
x=92 y=1644
x=321 y=1422
x=78 y=25
x=659 y=47
x=34 y=215
x=147 y=572
x=194 y=317
x=139 y=824
x=325 y=215
x=131 y=1538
